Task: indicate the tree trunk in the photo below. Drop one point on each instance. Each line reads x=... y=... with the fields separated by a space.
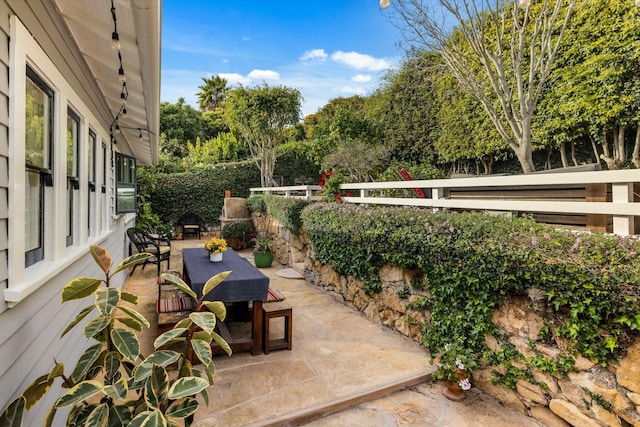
x=525 y=158
x=573 y=153
x=635 y=157
x=619 y=157
x=595 y=148
x=563 y=156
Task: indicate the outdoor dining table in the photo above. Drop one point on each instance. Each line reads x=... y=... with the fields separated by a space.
x=245 y=284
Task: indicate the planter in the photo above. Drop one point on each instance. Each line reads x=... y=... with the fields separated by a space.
x=263 y=259
x=236 y=243
x=452 y=389
x=215 y=257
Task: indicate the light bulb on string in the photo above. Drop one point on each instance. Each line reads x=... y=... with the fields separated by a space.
x=121 y=77
x=115 y=41
x=124 y=113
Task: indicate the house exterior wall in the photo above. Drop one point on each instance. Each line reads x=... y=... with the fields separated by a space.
x=31 y=313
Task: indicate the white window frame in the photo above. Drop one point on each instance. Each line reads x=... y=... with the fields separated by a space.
x=22 y=281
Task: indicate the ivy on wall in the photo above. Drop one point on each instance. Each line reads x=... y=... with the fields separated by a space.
x=470 y=262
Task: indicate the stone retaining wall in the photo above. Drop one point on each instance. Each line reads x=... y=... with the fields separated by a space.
x=559 y=402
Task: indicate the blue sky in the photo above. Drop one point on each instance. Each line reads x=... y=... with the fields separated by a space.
x=326 y=49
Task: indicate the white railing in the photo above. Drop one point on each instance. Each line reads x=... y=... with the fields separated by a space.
x=622 y=207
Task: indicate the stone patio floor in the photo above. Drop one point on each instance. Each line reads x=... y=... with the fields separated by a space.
x=343 y=370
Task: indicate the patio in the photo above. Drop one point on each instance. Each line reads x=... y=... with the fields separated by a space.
x=342 y=365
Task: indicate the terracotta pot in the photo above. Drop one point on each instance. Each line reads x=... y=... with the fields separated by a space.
x=452 y=390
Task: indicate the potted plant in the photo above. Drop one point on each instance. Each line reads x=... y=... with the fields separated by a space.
x=237 y=234
x=262 y=254
x=454 y=366
x=215 y=246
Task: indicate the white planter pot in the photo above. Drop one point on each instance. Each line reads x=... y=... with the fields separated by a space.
x=215 y=257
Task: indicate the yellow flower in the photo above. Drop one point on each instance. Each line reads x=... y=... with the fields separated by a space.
x=216 y=245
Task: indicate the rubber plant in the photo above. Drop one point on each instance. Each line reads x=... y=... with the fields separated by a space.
x=112 y=384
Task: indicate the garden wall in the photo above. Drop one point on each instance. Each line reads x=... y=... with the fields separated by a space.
x=592 y=396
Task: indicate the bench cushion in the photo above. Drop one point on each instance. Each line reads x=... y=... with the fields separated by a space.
x=170 y=305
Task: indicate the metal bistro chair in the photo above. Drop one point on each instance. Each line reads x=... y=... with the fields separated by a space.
x=144 y=242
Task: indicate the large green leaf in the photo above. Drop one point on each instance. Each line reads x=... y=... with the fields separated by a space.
x=139 y=419
x=86 y=361
x=168 y=336
x=131 y=298
x=172 y=278
x=98 y=417
x=117 y=390
x=101 y=257
x=182 y=408
x=112 y=363
x=95 y=326
x=107 y=300
x=81 y=392
x=155 y=392
x=218 y=308
x=222 y=343
x=135 y=314
x=119 y=416
x=129 y=322
x=214 y=281
x=131 y=261
x=12 y=416
x=36 y=390
x=206 y=320
x=85 y=311
x=126 y=343
x=162 y=357
x=202 y=350
x=185 y=387
x=80 y=287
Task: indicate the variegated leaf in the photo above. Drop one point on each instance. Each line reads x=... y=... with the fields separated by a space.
x=117 y=390
x=157 y=387
x=96 y=326
x=204 y=319
x=168 y=336
x=129 y=322
x=172 y=278
x=12 y=416
x=162 y=357
x=99 y=417
x=131 y=298
x=86 y=361
x=135 y=314
x=107 y=300
x=126 y=343
x=218 y=308
x=131 y=261
x=81 y=392
x=182 y=408
x=202 y=349
x=213 y=282
x=185 y=387
x=36 y=390
x=112 y=363
x=222 y=343
x=85 y=311
x=101 y=257
x=80 y=287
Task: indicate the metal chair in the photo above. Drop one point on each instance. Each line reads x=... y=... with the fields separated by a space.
x=144 y=242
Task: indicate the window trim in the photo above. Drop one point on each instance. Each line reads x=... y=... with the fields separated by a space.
x=45 y=172
x=73 y=181
x=125 y=184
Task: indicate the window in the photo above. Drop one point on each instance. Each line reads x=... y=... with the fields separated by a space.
x=73 y=169
x=38 y=168
x=91 y=168
x=125 y=184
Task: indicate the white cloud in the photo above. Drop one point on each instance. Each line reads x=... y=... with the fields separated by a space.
x=361 y=78
x=314 y=54
x=360 y=61
x=264 y=75
x=235 y=78
x=353 y=90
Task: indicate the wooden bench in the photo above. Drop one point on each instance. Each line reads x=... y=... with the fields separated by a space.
x=272 y=310
x=172 y=304
x=191 y=224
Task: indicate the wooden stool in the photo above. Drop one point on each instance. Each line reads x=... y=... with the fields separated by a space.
x=271 y=310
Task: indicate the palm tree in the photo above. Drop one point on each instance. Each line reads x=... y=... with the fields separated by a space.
x=212 y=93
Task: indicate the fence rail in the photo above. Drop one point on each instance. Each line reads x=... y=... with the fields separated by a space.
x=605 y=200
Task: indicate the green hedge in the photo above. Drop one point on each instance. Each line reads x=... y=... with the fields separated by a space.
x=293 y=161
x=470 y=262
x=202 y=192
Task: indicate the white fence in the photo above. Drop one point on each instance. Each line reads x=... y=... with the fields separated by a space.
x=551 y=193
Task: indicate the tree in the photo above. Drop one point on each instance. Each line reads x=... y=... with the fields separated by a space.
x=179 y=124
x=212 y=93
x=501 y=53
x=260 y=115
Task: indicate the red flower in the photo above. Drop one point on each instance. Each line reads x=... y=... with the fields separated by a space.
x=321 y=183
x=348 y=194
x=337 y=197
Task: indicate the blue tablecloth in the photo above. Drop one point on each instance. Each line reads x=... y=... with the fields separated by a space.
x=245 y=283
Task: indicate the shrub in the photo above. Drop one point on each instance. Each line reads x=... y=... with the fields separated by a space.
x=287 y=211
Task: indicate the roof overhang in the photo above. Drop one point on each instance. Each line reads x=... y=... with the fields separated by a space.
x=138 y=25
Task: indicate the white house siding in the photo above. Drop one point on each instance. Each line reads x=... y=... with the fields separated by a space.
x=31 y=328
